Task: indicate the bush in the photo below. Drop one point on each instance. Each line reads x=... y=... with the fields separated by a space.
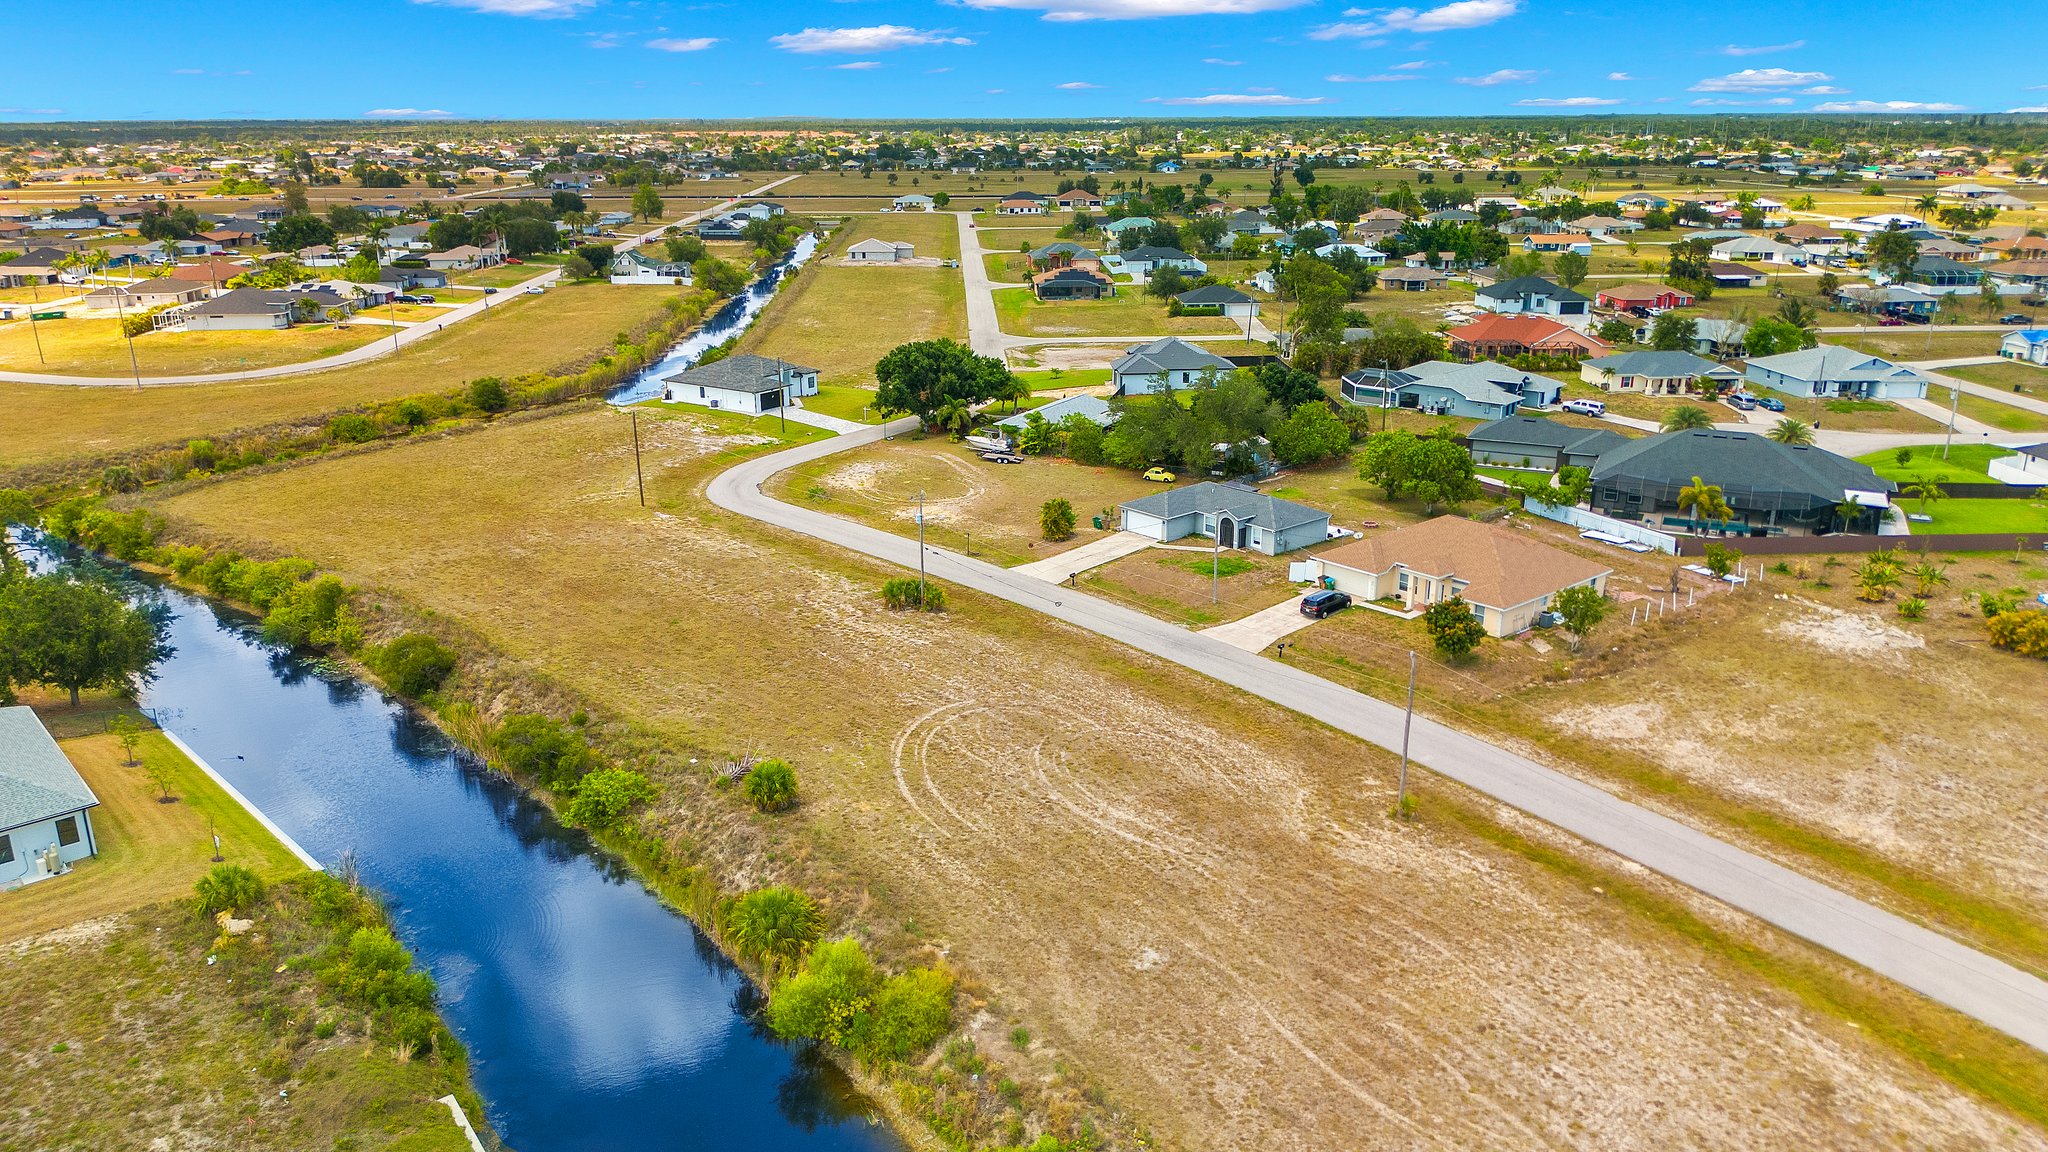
x=903 y=592
x=228 y=888
x=779 y=923
x=202 y=454
x=353 y=428
x=604 y=796
x=1913 y=608
x=413 y=665
x=911 y=1012
x=2024 y=632
x=1056 y=518
x=488 y=395
x=542 y=748
x=119 y=478
x=771 y=785
x=309 y=613
x=1453 y=628
x=410 y=413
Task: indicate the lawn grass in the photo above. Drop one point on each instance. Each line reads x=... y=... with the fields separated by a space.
x=148 y=851
x=1916 y=342
x=1850 y=415
x=1055 y=378
x=95 y=347
x=1637 y=406
x=1993 y=412
x=1966 y=463
x=842 y=320
x=1959 y=514
x=2028 y=377
x=1128 y=313
x=560 y=330
x=496 y=276
x=846 y=402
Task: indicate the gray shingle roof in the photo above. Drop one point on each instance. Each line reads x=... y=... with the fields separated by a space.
x=745 y=372
x=37 y=781
x=1168 y=354
x=1241 y=503
x=1753 y=471
x=1835 y=364
x=1214 y=294
x=1535 y=431
x=1093 y=407
x=1528 y=286
x=1665 y=365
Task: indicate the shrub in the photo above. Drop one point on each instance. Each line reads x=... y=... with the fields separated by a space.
x=1720 y=559
x=2021 y=631
x=353 y=428
x=1453 y=628
x=410 y=413
x=119 y=478
x=306 y=613
x=820 y=1002
x=228 y=888
x=603 y=797
x=779 y=923
x=1913 y=608
x=904 y=592
x=910 y=1013
x=202 y=454
x=1056 y=518
x=540 y=747
x=413 y=665
x=487 y=394
x=771 y=785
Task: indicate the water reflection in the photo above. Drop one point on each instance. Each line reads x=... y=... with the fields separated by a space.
x=730 y=320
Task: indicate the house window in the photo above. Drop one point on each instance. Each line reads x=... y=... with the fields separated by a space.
x=1404 y=582
x=6 y=850
x=701 y=393
x=1478 y=612
x=67 y=831
x=1184 y=378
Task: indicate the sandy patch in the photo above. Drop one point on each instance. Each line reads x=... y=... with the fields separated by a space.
x=1856 y=634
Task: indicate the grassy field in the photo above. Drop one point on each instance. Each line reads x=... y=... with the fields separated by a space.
x=1958 y=514
x=1129 y=313
x=1636 y=405
x=125 y=1033
x=844 y=401
x=1174 y=863
x=1917 y=342
x=1176 y=585
x=148 y=851
x=498 y=276
x=842 y=320
x=1054 y=378
x=95 y=347
x=2030 y=378
x=526 y=334
x=1849 y=415
x=1992 y=412
x=1965 y=464
x=935 y=234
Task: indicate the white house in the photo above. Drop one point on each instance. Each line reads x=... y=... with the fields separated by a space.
x=1144 y=261
x=1505 y=577
x=2028 y=465
x=1762 y=249
x=45 y=806
x=2030 y=345
x=1168 y=364
x=913 y=201
x=463 y=256
x=1368 y=255
x=1228 y=301
x=636 y=266
x=1232 y=515
x=872 y=251
x=1832 y=370
x=748 y=384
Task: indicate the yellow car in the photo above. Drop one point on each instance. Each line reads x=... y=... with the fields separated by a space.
x=1159 y=474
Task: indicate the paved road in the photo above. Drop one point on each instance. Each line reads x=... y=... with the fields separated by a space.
x=1949 y=972
x=370 y=351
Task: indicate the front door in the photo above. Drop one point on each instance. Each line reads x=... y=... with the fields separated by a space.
x=1226 y=532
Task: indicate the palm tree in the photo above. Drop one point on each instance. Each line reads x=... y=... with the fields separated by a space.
x=1794 y=310
x=1797 y=433
x=1014 y=390
x=953 y=418
x=1686 y=417
x=1926 y=489
x=1848 y=512
x=774 y=924
x=1928 y=577
x=1876 y=577
x=1928 y=202
x=1703 y=500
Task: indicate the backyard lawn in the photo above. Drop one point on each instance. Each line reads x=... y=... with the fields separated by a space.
x=95 y=347
x=1958 y=514
x=1965 y=463
x=1916 y=342
x=1129 y=313
x=1054 y=378
x=499 y=276
x=844 y=401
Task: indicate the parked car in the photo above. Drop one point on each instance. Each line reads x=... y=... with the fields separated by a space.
x=490 y=291
x=1770 y=403
x=535 y=289
x=1586 y=407
x=1159 y=475
x=514 y=260
x=422 y=298
x=1914 y=318
x=2015 y=318
x=1742 y=400
x=1890 y=322
x=1317 y=605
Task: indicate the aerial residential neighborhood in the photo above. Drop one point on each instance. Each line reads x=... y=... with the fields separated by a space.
x=864 y=579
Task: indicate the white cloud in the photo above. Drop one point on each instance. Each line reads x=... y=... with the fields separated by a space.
x=1447 y=18
x=1773 y=102
x=880 y=38
x=1885 y=106
x=1073 y=10
x=1377 y=78
x=2036 y=108
x=936 y=71
x=1761 y=80
x=188 y=71
x=1760 y=49
x=1565 y=102
x=1222 y=63
x=542 y=9
x=1076 y=86
x=858 y=65
x=1619 y=76
x=1414 y=65
x=691 y=44
x=407 y=113
x=1824 y=90
x=1254 y=99
x=1502 y=76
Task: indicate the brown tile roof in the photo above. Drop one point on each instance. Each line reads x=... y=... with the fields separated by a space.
x=1501 y=567
x=1635 y=290
x=1531 y=331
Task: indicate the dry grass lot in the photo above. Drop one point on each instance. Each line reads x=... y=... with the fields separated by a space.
x=841 y=320
x=2030 y=378
x=1917 y=342
x=95 y=347
x=49 y=423
x=148 y=851
x=1129 y=313
x=1190 y=894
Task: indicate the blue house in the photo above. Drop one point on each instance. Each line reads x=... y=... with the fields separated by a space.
x=1832 y=370
x=1485 y=390
x=45 y=817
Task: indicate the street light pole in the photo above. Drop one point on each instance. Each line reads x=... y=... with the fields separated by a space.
x=1407 y=722
x=34 y=303
x=639 y=477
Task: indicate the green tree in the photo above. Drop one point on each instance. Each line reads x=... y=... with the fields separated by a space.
x=301 y=230
x=228 y=888
x=1056 y=519
x=1083 y=438
x=413 y=665
x=1453 y=628
x=1703 y=501
x=720 y=277
x=771 y=785
x=603 y=797
x=74 y=633
x=1571 y=268
x=128 y=734
x=685 y=248
x=646 y=203
x=487 y=394
x=1797 y=433
x=1926 y=489
x=1770 y=335
x=1685 y=417
x=1891 y=253
x=1583 y=608
x=774 y=924
x=922 y=377
x=1432 y=468
x=1671 y=332
x=1310 y=434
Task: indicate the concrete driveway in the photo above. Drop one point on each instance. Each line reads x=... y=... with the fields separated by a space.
x=1262 y=629
x=1094 y=554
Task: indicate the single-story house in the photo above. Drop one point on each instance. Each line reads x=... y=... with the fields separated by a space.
x=1150 y=258
x=1557 y=242
x=731 y=226
x=146 y=294
x=1118 y=230
x=746 y=383
x=1535 y=296
x=1770 y=488
x=1497 y=336
x=1367 y=255
x=1536 y=442
x=1412 y=279
x=34 y=266
x=45 y=805
x=1727 y=275
x=1077 y=199
x=409 y=236
x=407 y=279
x=1762 y=248
x=638 y=266
x=1022 y=204
x=1716 y=339
x=1482 y=391
x=1942 y=276
x=1832 y=370
x=1093 y=407
x=1229 y=301
x=1653 y=373
x=1649 y=297
x=1602 y=225
x=2032 y=273
x=1888 y=299
x=763 y=210
x=2028 y=344
x=913 y=201
x=1168 y=364
x=881 y=252
x=464 y=256
x=241 y=310
x=2028 y=466
x=1507 y=577
x=1643 y=200
x=1811 y=237
x=1230 y=514
x=1081 y=281
x=1061 y=253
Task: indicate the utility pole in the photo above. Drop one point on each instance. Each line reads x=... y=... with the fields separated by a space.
x=920 y=547
x=639 y=477
x=1954 y=399
x=1215 y=557
x=35 y=303
x=121 y=315
x=1407 y=722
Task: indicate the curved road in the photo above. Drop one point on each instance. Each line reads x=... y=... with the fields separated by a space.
x=1940 y=968
x=375 y=348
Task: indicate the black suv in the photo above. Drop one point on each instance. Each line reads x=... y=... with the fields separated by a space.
x=1317 y=605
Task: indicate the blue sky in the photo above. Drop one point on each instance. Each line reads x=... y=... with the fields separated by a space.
x=999 y=58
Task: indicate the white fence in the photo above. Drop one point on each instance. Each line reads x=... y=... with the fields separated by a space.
x=1582 y=519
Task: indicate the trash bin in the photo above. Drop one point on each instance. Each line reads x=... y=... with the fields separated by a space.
x=1329 y=583
x=1098 y=523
